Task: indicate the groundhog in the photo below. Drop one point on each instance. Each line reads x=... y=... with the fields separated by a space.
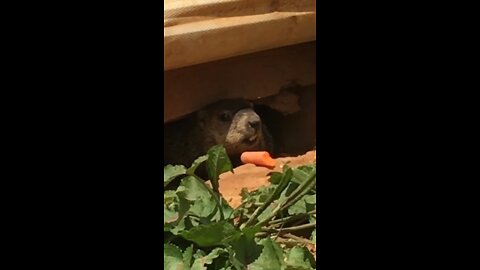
x=232 y=123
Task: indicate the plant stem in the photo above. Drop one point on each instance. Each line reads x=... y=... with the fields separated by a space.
x=291 y=218
x=261 y=234
x=298 y=193
x=239 y=220
x=272 y=215
x=293 y=240
x=273 y=196
x=290 y=229
x=284 y=231
x=292 y=201
x=299 y=239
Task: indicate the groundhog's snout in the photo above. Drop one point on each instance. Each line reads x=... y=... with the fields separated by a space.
x=251 y=124
x=246 y=128
x=251 y=120
x=255 y=123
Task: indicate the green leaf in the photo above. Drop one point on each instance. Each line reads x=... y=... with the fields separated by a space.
x=311 y=199
x=303 y=189
x=200 y=262
x=188 y=256
x=238 y=265
x=299 y=259
x=271 y=257
x=268 y=211
x=199 y=253
x=281 y=199
x=169 y=216
x=288 y=191
x=298 y=208
x=275 y=177
x=212 y=234
x=195 y=191
x=314 y=236
x=286 y=177
x=182 y=225
x=172 y=257
x=192 y=189
x=196 y=163
x=245 y=249
x=262 y=194
x=183 y=207
x=217 y=163
x=192 y=219
x=303 y=173
x=170 y=172
x=226 y=208
x=304 y=205
x=169 y=197
x=269 y=208
x=175 y=208
x=250 y=232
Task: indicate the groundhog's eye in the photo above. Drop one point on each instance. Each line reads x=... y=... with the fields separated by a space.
x=226 y=116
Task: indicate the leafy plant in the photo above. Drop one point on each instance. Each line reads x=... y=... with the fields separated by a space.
x=271 y=229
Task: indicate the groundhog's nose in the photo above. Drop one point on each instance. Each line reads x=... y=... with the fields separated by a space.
x=254 y=124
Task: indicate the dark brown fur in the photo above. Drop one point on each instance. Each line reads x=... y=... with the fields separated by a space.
x=229 y=122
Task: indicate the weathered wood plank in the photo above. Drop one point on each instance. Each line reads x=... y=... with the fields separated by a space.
x=250 y=76
x=203 y=31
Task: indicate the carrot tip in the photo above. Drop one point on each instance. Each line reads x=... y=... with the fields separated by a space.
x=259 y=158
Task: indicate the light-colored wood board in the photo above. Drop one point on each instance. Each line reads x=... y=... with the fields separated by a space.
x=197 y=32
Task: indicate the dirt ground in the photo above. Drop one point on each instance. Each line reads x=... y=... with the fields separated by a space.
x=252 y=177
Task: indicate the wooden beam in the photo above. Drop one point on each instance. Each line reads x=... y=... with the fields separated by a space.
x=250 y=76
x=198 y=32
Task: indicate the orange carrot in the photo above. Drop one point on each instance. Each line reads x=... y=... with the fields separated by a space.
x=260 y=158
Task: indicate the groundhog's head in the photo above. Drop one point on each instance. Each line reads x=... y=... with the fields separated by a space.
x=234 y=124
